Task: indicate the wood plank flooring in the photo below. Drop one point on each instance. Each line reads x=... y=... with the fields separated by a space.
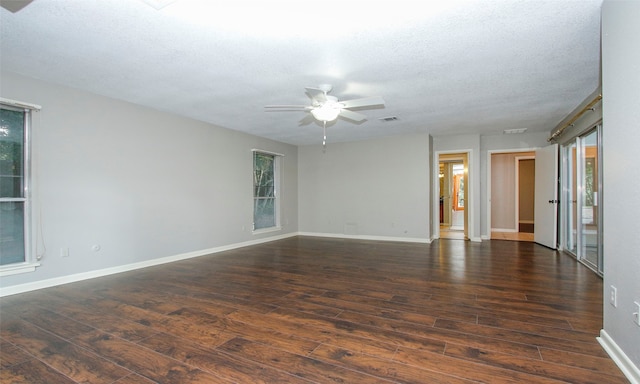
x=319 y=310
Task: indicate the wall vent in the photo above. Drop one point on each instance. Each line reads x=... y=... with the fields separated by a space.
x=388 y=118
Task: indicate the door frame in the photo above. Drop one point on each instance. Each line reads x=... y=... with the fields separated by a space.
x=470 y=190
x=488 y=197
x=517 y=181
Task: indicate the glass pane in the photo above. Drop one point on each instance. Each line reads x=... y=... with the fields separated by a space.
x=589 y=198
x=264 y=213
x=263 y=168
x=11 y=153
x=11 y=232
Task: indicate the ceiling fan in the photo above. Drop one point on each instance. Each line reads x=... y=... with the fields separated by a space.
x=326 y=108
x=14 y=5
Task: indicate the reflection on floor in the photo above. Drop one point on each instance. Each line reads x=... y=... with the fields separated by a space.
x=515 y=236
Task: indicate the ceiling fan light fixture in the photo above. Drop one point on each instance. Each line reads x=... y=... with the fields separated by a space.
x=326 y=112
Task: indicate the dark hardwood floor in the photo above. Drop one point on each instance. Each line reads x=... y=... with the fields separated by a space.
x=319 y=310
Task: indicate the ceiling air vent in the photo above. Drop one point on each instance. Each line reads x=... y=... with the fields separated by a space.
x=389 y=118
x=515 y=130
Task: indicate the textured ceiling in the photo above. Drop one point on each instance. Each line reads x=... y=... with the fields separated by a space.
x=443 y=67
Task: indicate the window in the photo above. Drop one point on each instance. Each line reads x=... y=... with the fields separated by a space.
x=15 y=204
x=265 y=190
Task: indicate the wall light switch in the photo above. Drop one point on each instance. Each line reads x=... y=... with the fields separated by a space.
x=636 y=314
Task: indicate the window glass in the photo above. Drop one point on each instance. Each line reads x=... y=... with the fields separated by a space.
x=12 y=186
x=264 y=190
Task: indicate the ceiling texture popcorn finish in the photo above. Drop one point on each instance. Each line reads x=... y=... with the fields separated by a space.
x=454 y=67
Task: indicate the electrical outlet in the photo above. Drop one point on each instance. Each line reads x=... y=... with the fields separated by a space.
x=613 y=298
x=636 y=314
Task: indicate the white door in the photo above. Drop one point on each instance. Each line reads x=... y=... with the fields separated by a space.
x=545 y=219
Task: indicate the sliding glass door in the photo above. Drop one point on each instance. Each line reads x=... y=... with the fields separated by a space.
x=582 y=208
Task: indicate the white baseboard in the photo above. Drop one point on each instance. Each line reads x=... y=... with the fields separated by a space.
x=366 y=237
x=27 y=287
x=618 y=356
x=22 y=288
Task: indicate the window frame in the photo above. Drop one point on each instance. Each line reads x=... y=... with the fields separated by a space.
x=31 y=261
x=277 y=161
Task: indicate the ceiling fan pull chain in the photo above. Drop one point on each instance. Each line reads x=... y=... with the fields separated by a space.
x=324 y=137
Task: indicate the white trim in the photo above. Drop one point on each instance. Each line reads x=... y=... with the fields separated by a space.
x=19 y=104
x=618 y=356
x=260 y=231
x=14 y=269
x=22 y=288
x=367 y=237
x=516 y=201
x=267 y=152
x=472 y=173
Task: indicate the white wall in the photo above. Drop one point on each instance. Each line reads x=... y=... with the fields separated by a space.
x=369 y=189
x=140 y=183
x=621 y=140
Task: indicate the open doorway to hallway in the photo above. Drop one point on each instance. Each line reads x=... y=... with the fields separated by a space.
x=453 y=187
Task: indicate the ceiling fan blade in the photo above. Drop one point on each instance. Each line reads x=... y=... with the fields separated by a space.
x=15 y=5
x=287 y=108
x=364 y=102
x=306 y=120
x=354 y=116
x=316 y=94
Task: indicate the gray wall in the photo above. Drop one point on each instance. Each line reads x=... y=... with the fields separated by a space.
x=140 y=183
x=376 y=188
x=621 y=140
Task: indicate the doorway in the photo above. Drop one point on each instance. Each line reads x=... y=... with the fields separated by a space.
x=453 y=193
x=512 y=195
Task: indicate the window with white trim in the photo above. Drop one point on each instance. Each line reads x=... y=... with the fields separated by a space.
x=15 y=194
x=265 y=190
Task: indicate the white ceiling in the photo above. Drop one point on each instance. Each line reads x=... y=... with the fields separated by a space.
x=444 y=67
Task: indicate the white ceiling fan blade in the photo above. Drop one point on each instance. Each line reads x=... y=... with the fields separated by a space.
x=15 y=5
x=316 y=94
x=287 y=108
x=354 y=116
x=364 y=102
x=308 y=119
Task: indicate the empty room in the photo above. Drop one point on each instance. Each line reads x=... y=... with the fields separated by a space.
x=292 y=192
